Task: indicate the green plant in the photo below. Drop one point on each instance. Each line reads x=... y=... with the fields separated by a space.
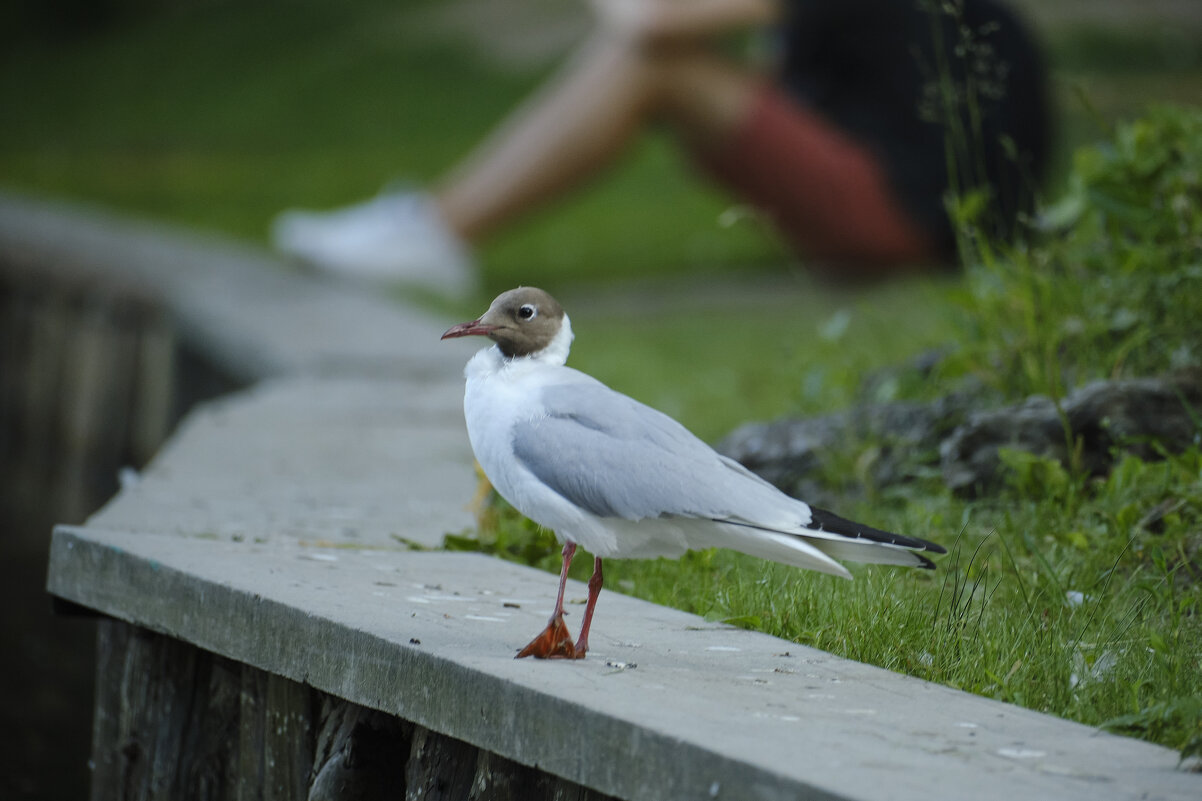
x=1177 y=722
x=1112 y=285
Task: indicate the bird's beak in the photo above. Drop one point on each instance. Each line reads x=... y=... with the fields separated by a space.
x=473 y=329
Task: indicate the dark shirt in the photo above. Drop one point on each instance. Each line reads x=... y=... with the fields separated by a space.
x=875 y=68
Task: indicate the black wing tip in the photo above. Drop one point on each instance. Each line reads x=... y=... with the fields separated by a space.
x=827 y=520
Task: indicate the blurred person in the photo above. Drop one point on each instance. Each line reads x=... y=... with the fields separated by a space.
x=848 y=141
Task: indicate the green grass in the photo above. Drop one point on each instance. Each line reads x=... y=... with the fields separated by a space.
x=1058 y=601
x=222 y=114
x=1067 y=593
x=733 y=352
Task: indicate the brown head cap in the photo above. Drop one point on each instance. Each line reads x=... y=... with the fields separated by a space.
x=521 y=321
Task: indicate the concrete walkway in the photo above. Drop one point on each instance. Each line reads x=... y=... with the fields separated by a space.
x=271 y=529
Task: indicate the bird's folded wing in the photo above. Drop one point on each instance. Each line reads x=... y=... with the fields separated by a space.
x=615 y=457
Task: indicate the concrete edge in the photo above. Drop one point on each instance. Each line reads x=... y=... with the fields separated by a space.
x=481 y=707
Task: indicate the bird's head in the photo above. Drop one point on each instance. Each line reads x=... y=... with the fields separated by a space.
x=523 y=322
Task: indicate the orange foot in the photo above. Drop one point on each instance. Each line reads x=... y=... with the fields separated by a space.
x=555 y=642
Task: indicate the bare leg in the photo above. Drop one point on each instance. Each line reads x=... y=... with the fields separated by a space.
x=569 y=550
x=583 y=119
x=555 y=641
x=594 y=589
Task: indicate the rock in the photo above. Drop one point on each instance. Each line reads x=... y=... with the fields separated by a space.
x=903 y=440
x=969 y=456
x=896 y=442
x=1138 y=415
x=784 y=448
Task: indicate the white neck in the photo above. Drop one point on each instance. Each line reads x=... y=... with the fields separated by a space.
x=556 y=352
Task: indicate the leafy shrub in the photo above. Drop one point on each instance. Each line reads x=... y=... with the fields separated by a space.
x=1111 y=282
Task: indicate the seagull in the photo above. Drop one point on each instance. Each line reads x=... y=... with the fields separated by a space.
x=621 y=479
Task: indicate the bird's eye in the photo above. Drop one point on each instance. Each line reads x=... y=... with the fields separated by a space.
x=528 y=312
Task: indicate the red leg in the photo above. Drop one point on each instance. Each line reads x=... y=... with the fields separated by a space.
x=594 y=589
x=555 y=641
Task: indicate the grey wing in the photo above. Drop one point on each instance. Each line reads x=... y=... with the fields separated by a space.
x=615 y=457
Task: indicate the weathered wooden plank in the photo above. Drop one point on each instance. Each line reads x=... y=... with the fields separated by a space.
x=111 y=645
x=276 y=737
x=46 y=336
x=500 y=779
x=154 y=395
x=435 y=771
x=177 y=723
x=361 y=753
x=86 y=388
x=87 y=385
x=95 y=374
x=167 y=717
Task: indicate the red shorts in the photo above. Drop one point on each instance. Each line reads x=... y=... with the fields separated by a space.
x=826 y=193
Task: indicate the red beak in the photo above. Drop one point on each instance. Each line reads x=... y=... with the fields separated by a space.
x=473 y=329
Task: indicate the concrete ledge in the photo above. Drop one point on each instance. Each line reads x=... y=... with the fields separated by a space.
x=353 y=461
x=232 y=301
x=667 y=705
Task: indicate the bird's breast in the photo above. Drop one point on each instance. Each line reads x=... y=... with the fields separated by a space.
x=492 y=407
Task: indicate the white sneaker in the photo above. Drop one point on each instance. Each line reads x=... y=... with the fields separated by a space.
x=394 y=238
